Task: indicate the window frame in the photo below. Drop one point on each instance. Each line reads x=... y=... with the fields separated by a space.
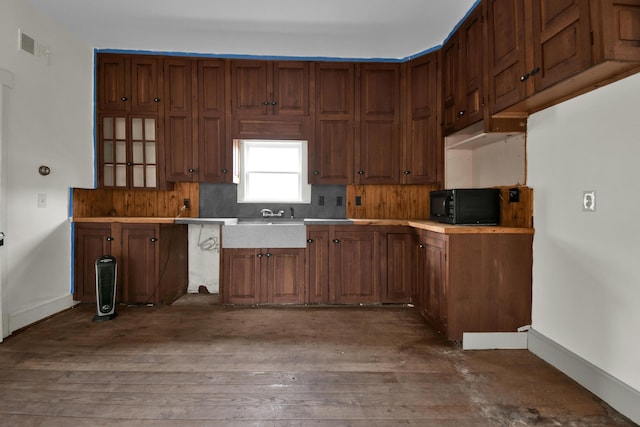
x=244 y=146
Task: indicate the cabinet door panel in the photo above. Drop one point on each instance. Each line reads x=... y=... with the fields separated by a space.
x=332 y=152
x=561 y=33
x=422 y=154
x=213 y=164
x=241 y=276
x=318 y=265
x=356 y=269
x=450 y=82
x=472 y=53
x=506 y=53
x=113 y=83
x=249 y=94
x=379 y=144
x=291 y=88
x=435 y=295
x=140 y=263
x=178 y=148
x=145 y=84
x=91 y=242
x=284 y=279
x=400 y=280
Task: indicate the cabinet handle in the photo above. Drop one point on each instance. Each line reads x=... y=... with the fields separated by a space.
x=360 y=172
x=336 y=241
x=316 y=172
x=265 y=103
x=535 y=71
x=129 y=164
x=309 y=240
x=524 y=77
x=461 y=113
x=191 y=170
x=274 y=103
x=268 y=254
x=156 y=99
x=421 y=246
x=153 y=239
x=109 y=239
x=407 y=172
x=224 y=171
x=124 y=98
x=259 y=255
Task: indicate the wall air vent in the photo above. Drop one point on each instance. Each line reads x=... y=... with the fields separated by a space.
x=27 y=43
x=30 y=45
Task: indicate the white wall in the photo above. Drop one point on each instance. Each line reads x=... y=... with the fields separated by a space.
x=50 y=123
x=586 y=266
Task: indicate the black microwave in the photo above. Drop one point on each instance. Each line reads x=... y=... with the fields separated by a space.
x=479 y=206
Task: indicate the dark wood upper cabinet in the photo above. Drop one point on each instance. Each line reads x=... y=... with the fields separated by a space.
x=421 y=154
x=463 y=73
x=376 y=159
x=331 y=150
x=195 y=120
x=180 y=145
x=542 y=52
x=505 y=53
x=269 y=88
x=129 y=83
x=561 y=41
x=214 y=149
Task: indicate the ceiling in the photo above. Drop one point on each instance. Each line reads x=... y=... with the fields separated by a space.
x=297 y=28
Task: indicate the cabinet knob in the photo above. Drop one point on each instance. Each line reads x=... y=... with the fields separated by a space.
x=360 y=172
x=225 y=171
x=153 y=239
x=407 y=172
x=129 y=164
x=421 y=245
x=191 y=170
x=461 y=113
x=274 y=103
x=336 y=241
x=124 y=98
x=268 y=254
x=309 y=240
x=109 y=239
x=259 y=255
x=156 y=99
x=316 y=172
x=265 y=103
x=524 y=77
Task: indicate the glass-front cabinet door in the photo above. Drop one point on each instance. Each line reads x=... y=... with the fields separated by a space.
x=128 y=146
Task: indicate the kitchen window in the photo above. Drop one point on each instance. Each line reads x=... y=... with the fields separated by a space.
x=273 y=171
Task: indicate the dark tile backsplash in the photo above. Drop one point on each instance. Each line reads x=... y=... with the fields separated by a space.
x=221 y=201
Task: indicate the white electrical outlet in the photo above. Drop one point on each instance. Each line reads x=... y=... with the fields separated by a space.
x=589 y=201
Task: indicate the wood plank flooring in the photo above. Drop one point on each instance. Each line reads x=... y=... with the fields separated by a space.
x=209 y=365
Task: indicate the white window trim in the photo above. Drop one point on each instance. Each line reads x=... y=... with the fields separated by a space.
x=304 y=195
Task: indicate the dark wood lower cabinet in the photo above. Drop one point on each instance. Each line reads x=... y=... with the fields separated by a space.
x=475 y=282
x=399 y=276
x=151 y=259
x=263 y=276
x=343 y=264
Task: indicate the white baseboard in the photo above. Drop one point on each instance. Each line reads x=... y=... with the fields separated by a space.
x=617 y=394
x=40 y=311
x=494 y=340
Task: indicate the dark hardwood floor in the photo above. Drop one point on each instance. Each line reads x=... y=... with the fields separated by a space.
x=208 y=365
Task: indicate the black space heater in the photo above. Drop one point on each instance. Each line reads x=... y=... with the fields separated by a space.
x=106 y=273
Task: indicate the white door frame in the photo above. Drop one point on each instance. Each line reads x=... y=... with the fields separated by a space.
x=6 y=83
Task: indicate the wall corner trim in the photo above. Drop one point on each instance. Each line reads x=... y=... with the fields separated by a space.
x=616 y=393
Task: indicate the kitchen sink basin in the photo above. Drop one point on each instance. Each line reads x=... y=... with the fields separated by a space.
x=265 y=233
